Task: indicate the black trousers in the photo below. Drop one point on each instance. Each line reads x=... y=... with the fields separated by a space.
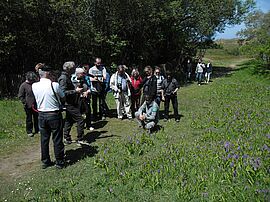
x=101 y=103
x=73 y=115
x=51 y=124
x=172 y=98
x=84 y=105
x=31 y=120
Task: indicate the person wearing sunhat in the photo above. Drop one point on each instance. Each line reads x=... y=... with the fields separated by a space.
x=49 y=97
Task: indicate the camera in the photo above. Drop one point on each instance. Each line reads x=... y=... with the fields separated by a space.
x=119 y=86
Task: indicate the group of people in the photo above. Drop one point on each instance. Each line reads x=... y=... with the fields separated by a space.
x=203 y=71
x=44 y=98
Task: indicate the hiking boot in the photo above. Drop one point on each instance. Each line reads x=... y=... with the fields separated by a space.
x=59 y=166
x=46 y=165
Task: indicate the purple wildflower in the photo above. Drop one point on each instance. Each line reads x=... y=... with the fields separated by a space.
x=268 y=135
x=232 y=164
x=265 y=147
x=234 y=173
x=227 y=146
x=235 y=156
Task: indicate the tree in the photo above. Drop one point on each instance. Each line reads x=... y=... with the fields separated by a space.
x=256 y=36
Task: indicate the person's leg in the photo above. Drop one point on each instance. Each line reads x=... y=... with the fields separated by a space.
x=137 y=102
x=166 y=106
x=175 y=107
x=208 y=78
x=118 y=107
x=126 y=103
x=35 y=117
x=68 y=123
x=102 y=105
x=150 y=125
x=88 y=115
x=77 y=117
x=199 y=78
x=94 y=106
x=45 y=132
x=57 y=137
x=28 y=121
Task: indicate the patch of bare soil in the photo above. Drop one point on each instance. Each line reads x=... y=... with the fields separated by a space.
x=20 y=162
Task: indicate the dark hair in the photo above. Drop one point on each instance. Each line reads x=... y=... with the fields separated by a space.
x=31 y=76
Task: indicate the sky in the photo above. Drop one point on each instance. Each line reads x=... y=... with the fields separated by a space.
x=230 y=32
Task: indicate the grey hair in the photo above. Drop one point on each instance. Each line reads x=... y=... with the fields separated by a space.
x=42 y=74
x=68 y=65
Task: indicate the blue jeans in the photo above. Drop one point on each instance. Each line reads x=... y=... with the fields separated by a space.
x=199 y=77
x=51 y=123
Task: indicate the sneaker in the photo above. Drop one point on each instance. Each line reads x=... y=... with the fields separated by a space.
x=30 y=135
x=46 y=165
x=177 y=120
x=90 y=128
x=66 y=141
x=80 y=142
x=103 y=118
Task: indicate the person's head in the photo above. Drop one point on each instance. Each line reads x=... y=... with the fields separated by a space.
x=135 y=73
x=157 y=71
x=86 y=68
x=98 y=62
x=148 y=70
x=31 y=77
x=79 y=73
x=121 y=69
x=169 y=75
x=69 y=67
x=148 y=99
x=38 y=66
x=45 y=71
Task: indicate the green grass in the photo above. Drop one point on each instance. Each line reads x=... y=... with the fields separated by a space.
x=218 y=152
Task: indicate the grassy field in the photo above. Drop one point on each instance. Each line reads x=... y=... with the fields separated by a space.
x=218 y=152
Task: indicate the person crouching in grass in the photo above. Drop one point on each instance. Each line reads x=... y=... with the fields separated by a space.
x=148 y=114
x=28 y=100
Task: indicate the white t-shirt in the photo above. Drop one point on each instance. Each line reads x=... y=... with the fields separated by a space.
x=45 y=98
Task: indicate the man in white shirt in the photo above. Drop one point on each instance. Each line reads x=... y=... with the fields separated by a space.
x=97 y=75
x=49 y=96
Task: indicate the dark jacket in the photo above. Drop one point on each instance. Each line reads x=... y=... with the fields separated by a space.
x=26 y=95
x=66 y=85
x=150 y=86
x=169 y=86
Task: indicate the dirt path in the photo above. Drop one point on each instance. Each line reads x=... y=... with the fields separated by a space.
x=20 y=162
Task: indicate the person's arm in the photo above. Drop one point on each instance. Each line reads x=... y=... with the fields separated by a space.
x=113 y=83
x=177 y=86
x=104 y=73
x=162 y=90
x=21 y=94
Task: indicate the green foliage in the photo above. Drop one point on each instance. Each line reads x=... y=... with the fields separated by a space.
x=139 y=32
x=256 y=38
